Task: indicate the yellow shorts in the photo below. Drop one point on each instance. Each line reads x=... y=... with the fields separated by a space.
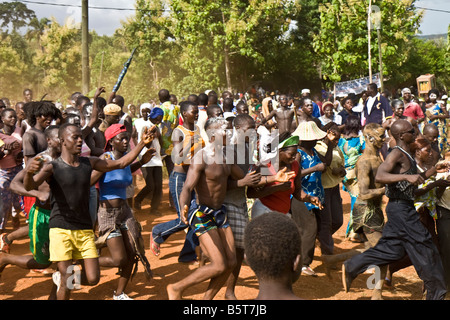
x=72 y=244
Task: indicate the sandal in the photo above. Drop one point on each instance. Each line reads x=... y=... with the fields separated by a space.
x=154 y=247
x=307 y=270
x=4 y=245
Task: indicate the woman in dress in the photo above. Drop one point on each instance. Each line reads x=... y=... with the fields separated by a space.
x=352 y=145
x=437 y=114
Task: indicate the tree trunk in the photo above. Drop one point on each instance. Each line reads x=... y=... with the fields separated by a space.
x=227 y=58
x=85 y=47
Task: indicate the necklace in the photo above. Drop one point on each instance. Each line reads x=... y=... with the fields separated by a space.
x=8 y=134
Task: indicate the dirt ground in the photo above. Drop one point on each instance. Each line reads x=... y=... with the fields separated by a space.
x=20 y=284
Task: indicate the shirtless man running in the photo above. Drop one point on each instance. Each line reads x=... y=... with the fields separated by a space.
x=283 y=115
x=208 y=175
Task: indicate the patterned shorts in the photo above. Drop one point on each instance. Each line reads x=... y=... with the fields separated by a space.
x=203 y=219
x=111 y=221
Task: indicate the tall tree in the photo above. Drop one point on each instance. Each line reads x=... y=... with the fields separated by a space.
x=342 y=42
x=61 y=60
x=12 y=70
x=297 y=66
x=232 y=38
x=14 y=15
x=149 y=32
x=211 y=44
x=428 y=56
x=36 y=29
x=446 y=79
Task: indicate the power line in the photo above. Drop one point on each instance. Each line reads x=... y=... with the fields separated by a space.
x=108 y=8
x=75 y=5
x=134 y=9
x=436 y=10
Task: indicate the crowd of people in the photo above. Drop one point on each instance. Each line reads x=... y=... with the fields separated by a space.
x=255 y=176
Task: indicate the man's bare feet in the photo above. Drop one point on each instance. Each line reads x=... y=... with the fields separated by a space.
x=2 y=263
x=230 y=296
x=376 y=295
x=172 y=293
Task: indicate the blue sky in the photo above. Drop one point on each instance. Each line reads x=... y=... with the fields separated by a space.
x=434 y=22
x=107 y=21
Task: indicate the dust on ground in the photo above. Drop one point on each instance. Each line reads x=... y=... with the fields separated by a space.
x=21 y=284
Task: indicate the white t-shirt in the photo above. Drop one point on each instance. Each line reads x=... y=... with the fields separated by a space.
x=140 y=124
x=202 y=117
x=370 y=102
x=266 y=138
x=444 y=201
x=336 y=119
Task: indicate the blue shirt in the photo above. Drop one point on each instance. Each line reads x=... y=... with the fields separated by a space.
x=316 y=110
x=312 y=183
x=113 y=184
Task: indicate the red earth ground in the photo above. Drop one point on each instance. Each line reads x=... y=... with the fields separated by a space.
x=21 y=284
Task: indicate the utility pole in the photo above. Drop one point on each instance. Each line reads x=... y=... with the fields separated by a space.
x=377 y=25
x=381 y=56
x=227 y=59
x=85 y=46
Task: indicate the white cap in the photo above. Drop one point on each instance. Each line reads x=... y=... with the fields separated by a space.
x=145 y=105
x=306 y=91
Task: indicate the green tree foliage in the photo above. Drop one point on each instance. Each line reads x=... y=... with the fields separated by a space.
x=230 y=42
x=157 y=56
x=36 y=29
x=14 y=15
x=107 y=57
x=446 y=80
x=12 y=70
x=60 y=60
x=297 y=65
x=190 y=46
x=428 y=56
x=342 y=42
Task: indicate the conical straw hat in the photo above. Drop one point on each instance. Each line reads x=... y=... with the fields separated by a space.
x=309 y=131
